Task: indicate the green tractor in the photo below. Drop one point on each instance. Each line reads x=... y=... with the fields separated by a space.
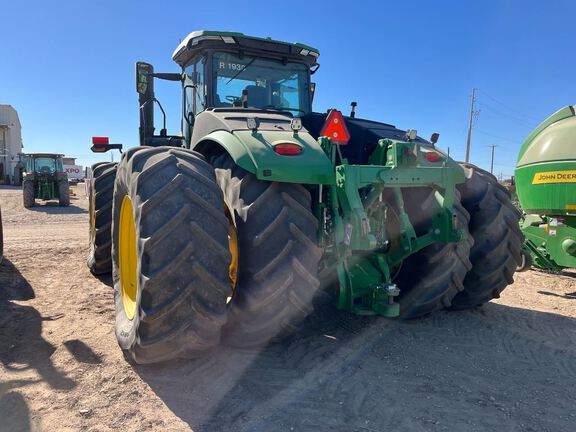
x=230 y=230
x=44 y=178
x=546 y=187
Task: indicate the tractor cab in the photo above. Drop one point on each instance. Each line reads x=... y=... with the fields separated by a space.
x=225 y=71
x=43 y=165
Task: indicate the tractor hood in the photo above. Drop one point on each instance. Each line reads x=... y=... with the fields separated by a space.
x=253 y=149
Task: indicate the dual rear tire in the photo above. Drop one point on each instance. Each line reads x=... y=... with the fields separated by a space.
x=467 y=274
x=171 y=241
x=495 y=228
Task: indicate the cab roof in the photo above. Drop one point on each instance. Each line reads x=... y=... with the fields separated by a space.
x=208 y=39
x=42 y=154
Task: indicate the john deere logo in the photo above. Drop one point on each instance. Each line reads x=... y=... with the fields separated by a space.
x=554 y=177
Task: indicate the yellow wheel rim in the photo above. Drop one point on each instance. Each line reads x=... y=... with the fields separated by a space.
x=128 y=258
x=233 y=247
x=92 y=216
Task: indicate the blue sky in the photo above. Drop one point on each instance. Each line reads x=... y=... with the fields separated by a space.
x=68 y=67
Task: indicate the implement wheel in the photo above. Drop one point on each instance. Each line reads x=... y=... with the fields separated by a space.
x=170 y=255
x=28 y=194
x=277 y=255
x=430 y=278
x=100 y=196
x=494 y=225
x=64 y=194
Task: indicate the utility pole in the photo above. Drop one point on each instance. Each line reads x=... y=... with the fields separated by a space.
x=492 y=160
x=472 y=100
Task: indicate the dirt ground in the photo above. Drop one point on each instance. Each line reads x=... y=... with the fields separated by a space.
x=508 y=366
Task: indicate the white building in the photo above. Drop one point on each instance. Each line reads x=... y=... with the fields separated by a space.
x=10 y=144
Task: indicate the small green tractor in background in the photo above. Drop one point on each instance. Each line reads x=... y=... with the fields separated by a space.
x=230 y=230
x=44 y=178
x=545 y=180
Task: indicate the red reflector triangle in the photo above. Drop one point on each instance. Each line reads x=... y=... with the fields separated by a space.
x=335 y=128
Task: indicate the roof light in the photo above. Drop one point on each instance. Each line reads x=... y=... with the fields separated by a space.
x=335 y=128
x=287 y=149
x=98 y=140
x=304 y=52
x=252 y=123
x=228 y=39
x=314 y=54
x=296 y=124
x=411 y=134
x=198 y=39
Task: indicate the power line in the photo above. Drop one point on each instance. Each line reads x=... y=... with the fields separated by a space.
x=508 y=107
x=499 y=137
x=509 y=116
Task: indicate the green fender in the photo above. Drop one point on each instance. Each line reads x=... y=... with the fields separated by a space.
x=253 y=151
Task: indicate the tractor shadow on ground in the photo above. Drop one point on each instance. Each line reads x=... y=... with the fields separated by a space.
x=22 y=346
x=14 y=412
x=344 y=372
x=82 y=352
x=570 y=296
x=13 y=286
x=54 y=208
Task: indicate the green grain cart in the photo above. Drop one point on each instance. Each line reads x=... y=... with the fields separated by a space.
x=44 y=178
x=230 y=229
x=546 y=187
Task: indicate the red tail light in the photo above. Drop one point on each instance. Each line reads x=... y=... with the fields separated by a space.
x=61 y=174
x=288 y=149
x=100 y=140
x=432 y=156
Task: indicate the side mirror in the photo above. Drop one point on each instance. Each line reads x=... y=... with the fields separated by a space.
x=143 y=72
x=434 y=137
x=102 y=145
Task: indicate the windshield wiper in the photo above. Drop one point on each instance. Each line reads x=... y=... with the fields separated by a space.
x=241 y=70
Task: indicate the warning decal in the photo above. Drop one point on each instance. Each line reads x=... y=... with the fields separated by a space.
x=555 y=177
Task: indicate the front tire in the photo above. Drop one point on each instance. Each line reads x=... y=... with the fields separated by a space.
x=495 y=227
x=278 y=255
x=170 y=255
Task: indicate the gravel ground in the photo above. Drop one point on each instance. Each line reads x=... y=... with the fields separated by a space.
x=508 y=366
